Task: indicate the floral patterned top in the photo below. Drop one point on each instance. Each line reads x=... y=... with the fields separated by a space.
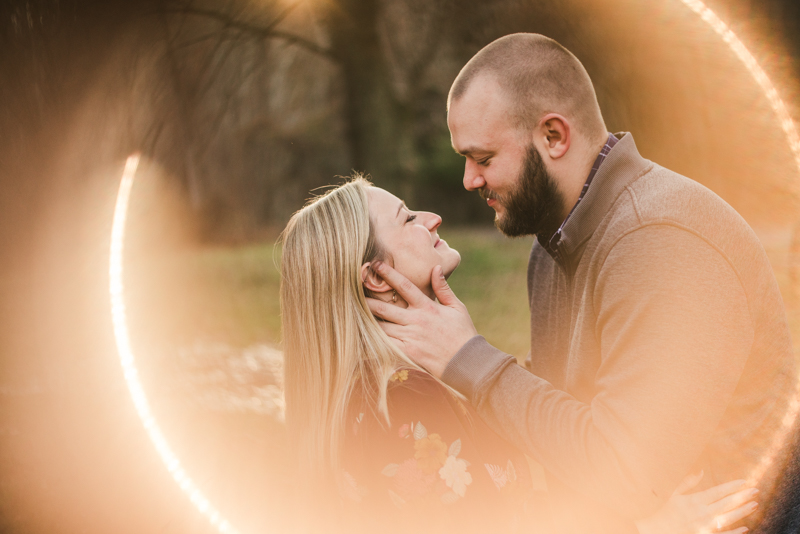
x=439 y=467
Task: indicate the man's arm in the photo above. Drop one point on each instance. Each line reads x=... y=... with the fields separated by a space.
x=674 y=330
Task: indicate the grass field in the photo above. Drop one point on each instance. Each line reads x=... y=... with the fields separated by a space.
x=230 y=294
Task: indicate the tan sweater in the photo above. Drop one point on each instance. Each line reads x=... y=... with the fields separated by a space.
x=660 y=347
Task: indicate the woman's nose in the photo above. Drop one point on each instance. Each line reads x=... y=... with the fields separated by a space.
x=432 y=221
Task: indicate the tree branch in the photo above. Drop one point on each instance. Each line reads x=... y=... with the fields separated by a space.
x=305 y=43
x=264 y=32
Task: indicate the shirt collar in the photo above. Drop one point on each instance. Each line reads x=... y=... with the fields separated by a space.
x=553 y=244
x=620 y=167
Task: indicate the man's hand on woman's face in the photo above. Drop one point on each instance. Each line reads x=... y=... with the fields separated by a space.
x=429 y=332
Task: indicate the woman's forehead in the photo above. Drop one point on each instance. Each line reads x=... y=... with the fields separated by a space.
x=381 y=201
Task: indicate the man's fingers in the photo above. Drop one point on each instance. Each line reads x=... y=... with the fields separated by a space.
x=395 y=331
x=400 y=283
x=441 y=289
x=387 y=312
x=716 y=493
x=688 y=483
x=733 y=501
x=729 y=518
x=400 y=345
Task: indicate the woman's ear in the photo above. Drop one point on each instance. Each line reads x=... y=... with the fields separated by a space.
x=372 y=281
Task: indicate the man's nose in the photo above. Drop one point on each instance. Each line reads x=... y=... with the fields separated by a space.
x=473 y=176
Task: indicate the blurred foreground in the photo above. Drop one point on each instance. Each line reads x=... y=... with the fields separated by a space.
x=205 y=328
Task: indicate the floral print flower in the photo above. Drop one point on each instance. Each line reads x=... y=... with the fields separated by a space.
x=410 y=481
x=430 y=453
x=400 y=376
x=404 y=431
x=426 y=476
x=454 y=473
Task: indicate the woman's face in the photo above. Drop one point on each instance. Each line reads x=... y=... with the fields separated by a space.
x=410 y=239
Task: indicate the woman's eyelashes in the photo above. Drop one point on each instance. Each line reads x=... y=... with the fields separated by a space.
x=411 y=217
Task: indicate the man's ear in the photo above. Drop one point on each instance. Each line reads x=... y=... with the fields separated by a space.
x=555 y=134
x=373 y=281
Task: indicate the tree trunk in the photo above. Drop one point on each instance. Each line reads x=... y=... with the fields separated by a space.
x=381 y=144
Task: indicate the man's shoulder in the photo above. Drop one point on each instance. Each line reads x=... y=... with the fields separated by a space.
x=661 y=196
x=664 y=194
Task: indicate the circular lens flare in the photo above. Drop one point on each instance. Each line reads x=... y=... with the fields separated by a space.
x=118 y=312
x=121 y=335
x=789 y=129
x=755 y=70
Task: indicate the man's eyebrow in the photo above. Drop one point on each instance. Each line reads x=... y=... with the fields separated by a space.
x=470 y=150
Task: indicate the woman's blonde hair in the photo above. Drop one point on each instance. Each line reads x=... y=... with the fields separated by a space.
x=332 y=343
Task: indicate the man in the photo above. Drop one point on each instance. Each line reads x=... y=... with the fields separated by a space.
x=659 y=342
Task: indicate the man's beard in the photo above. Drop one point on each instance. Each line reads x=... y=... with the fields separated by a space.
x=535 y=206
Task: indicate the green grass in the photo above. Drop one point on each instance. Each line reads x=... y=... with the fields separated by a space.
x=491 y=282
x=230 y=294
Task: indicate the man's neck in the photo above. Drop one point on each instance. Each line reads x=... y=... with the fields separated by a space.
x=573 y=184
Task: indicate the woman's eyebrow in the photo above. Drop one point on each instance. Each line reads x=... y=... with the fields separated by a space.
x=401 y=206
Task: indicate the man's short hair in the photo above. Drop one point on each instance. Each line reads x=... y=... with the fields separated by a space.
x=539 y=76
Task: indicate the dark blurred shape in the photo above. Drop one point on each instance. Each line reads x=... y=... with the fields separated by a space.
x=782 y=514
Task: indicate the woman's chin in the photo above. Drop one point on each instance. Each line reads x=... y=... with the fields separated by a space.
x=451 y=267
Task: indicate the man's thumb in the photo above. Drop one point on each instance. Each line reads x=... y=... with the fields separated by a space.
x=441 y=289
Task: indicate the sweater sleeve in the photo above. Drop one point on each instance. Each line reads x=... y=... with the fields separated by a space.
x=674 y=332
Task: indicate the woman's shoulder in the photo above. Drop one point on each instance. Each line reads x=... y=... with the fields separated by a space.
x=412 y=379
x=434 y=457
x=410 y=388
x=412 y=396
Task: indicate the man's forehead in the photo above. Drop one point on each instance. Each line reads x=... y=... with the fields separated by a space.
x=483 y=105
x=483 y=91
x=480 y=115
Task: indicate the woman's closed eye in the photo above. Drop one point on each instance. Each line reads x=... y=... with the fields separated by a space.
x=411 y=217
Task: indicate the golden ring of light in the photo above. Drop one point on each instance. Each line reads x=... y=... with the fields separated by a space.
x=118 y=315
x=127 y=360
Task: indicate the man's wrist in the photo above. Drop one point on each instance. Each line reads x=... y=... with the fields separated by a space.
x=470 y=367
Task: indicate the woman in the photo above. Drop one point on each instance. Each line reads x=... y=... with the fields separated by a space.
x=378 y=440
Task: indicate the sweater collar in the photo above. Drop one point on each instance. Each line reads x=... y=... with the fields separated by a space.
x=622 y=166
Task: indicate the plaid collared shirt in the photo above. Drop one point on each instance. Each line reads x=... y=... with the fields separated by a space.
x=552 y=245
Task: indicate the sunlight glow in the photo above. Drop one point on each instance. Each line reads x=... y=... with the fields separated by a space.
x=119 y=319
x=761 y=78
x=126 y=356
x=794 y=143
x=788 y=126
